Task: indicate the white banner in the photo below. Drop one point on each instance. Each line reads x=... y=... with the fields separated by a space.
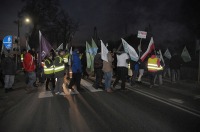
x=104 y=52
x=142 y=34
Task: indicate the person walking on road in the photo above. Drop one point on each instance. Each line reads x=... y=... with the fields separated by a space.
x=108 y=71
x=142 y=65
x=59 y=71
x=135 y=70
x=29 y=68
x=175 y=65
x=154 y=67
x=122 y=69
x=84 y=66
x=98 y=65
x=76 y=70
x=9 y=70
x=49 y=72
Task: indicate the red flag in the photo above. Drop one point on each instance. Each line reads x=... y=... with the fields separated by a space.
x=150 y=48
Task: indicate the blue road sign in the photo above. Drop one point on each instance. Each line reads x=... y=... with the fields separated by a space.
x=7 y=41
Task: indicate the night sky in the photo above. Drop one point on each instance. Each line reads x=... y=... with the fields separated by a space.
x=111 y=17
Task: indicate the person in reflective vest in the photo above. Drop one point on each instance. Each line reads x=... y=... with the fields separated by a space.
x=59 y=71
x=66 y=62
x=49 y=72
x=66 y=58
x=153 y=66
x=22 y=57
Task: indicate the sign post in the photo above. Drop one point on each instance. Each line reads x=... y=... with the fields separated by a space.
x=141 y=35
x=7 y=42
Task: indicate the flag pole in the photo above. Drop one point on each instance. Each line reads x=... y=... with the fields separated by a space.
x=120 y=46
x=199 y=68
x=140 y=45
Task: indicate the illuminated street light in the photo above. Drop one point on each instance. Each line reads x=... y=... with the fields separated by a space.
x=27 y=20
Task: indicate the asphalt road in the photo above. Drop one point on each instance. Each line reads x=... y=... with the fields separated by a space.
x=94 y=112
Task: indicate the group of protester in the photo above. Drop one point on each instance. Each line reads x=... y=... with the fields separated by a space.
x=54 y=68
x=57 y=65
x=153 y=67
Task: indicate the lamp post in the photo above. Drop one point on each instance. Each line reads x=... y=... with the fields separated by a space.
x=19 y=24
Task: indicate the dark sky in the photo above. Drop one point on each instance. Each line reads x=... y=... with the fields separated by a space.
x=111 y=17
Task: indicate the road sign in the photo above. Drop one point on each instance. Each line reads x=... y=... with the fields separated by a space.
x=142 y=34
x=7 y=41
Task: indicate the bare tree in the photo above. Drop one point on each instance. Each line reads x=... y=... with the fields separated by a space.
x=47 y=16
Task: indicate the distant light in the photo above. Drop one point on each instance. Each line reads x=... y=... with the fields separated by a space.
x=27 y=20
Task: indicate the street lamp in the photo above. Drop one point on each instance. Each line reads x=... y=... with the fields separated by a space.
x=27 y=20
x=19 y=24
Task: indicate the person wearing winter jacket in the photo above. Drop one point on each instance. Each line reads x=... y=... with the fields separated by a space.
x=108 y=72
x=76 y=70
x=29 y=68
x=9 y=71
x=59 y=72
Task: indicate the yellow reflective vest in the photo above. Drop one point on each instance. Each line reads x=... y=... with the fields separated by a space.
x=65 y=58
x=59 y=65
x=153 y=66
x=22 y=57
x=48 y=70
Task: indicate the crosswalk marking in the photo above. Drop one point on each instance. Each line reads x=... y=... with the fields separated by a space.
x=89 y=86
x=69 y=91
x=45 y=94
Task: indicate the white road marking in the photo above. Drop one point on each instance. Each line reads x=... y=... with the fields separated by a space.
x=186 y=109
x=45 y=94
x=177 y=100
x=89 y=86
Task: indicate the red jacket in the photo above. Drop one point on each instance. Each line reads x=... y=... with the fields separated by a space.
x=29 y=63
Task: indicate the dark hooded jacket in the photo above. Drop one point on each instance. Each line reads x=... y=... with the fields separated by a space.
x=76 y=63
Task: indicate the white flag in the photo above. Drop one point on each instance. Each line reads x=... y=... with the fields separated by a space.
x=70 y=51
x=66 y=47
x=60 y=47
x=130 y=50
x=104 y=52
x=161 y=57
x=167 y=54
x=185 y=55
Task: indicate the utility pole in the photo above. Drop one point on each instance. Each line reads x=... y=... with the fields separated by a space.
x=199 y=68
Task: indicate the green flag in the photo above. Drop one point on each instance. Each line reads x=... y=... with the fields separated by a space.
x=88 y=47
x=94 y=47
x=185 y=55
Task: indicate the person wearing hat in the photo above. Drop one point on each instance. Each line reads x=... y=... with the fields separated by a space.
x=9 y=71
